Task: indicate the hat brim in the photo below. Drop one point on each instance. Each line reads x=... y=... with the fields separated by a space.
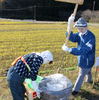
x=80 y=25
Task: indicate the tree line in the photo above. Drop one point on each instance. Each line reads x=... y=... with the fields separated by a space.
x=42 y=9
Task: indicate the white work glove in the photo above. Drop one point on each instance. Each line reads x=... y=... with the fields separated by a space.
x=65 y=48
x=35 y=86
x=71 y=18
x=38 y=93
x=97 y=62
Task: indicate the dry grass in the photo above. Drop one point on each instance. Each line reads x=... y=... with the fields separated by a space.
x=19 y=38
x=86 y=92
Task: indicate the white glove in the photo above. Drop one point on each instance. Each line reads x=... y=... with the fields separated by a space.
x=97 y=62
x=38 y=93
x=35 y=86
x=65 y=48
x=71 y=18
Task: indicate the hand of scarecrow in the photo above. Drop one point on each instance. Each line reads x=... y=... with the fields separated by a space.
x=35 y=86
x=70 y=19
x=38 y=93
x=65 y=48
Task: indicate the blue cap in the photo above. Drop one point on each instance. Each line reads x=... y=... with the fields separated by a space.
x=80 y=23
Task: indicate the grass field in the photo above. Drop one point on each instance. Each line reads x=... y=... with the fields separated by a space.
x=20 y=38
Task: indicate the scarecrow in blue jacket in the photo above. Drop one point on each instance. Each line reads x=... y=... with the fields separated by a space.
x=26 y=67
x=85 y=50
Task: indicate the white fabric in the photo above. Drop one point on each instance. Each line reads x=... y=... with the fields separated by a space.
x=89 y=45
x=97 y=62
x=35 y=86
x=45 y=61
x=37 y=53
x=38 y=93
x=81 y=25
x=65 y=48
x=47 y=57
x=81 y=34
x=71 y=18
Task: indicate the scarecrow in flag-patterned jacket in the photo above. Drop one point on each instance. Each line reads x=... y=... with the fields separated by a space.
x=26 y=67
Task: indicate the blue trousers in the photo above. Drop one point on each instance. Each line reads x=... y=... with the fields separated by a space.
x=79 y=81
x=16 y=84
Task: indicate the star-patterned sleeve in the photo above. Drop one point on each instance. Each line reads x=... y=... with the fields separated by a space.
x=34 y=61
x=37 y=61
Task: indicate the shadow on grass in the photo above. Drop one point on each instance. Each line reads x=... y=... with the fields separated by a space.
x=96 y=86
x=92 y=94
x=88 y=95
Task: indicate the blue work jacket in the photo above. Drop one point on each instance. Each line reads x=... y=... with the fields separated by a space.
x=85 y=49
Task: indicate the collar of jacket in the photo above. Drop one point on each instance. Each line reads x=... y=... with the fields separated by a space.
x=82 y=34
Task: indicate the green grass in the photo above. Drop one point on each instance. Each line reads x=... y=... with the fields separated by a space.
x=20 y=38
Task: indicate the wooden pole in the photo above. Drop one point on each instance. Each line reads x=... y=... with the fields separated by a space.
x=95 y=77
x=75 y=10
